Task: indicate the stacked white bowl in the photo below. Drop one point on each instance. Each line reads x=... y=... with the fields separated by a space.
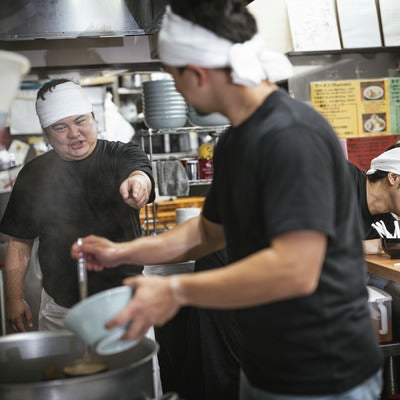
x=163 y=106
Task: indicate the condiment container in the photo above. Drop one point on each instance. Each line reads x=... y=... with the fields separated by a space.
x=380 y=306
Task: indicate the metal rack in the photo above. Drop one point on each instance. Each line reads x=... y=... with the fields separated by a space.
x=150 y=132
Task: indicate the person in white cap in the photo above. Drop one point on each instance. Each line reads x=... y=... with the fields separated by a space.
x=283 y=203
x=378 y=192
x=82 y=185
x=13 y=67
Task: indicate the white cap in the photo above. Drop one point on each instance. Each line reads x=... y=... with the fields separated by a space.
x=389 y=161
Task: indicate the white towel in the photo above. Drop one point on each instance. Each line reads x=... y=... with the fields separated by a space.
x=389 y=161
x=182 y=42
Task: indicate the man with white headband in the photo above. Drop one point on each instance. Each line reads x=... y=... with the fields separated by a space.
x=282 y=203
x=82 y=185
x=378 y=191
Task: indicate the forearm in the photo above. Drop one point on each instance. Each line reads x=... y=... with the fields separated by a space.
x=188 y=241
x=16 y=266
x=270 y=275
x=137 y=189
x=373 y=246
x=144 y=176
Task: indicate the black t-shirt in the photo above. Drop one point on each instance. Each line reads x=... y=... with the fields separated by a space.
x=59 y=201
x=283 y=170
x=360 y=180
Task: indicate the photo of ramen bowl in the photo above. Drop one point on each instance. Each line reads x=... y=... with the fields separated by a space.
x=374 y=124
x=373 y=92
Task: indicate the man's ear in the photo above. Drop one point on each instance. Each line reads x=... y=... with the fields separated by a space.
x=200 y=72
x=45 y=136
x=394 y=179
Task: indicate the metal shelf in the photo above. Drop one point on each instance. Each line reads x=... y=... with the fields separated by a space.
x=198 y=182
x=185 y=129
x=198 y=185
x=132 y=91
x=372 y=50
x=181 y=154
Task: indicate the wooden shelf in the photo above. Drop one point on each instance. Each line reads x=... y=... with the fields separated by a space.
x=165 y=211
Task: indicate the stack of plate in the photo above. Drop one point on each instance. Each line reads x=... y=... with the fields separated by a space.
x=163 y=106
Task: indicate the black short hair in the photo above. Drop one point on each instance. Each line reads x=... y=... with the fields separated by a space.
x=229 y=19
x=377 y=176
x=393 y=146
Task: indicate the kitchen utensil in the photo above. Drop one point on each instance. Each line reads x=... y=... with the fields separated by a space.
x=25 y=356
x=165 y=122
x=396 y=228
x=378 y=228
x=163 y=106
x=88 y=317
x=391 y=246
x=82 y=273
x=380 y=305
x=385 y=230
x=88 y=364
x=2 y=304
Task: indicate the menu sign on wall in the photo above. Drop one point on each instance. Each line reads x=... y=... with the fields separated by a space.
x=395 y=104
x=356 y=108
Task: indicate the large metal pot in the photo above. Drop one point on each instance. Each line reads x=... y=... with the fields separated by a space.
x=26 y=358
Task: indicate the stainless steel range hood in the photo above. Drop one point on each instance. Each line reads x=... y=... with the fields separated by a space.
x=87 y=36
x=67 y=19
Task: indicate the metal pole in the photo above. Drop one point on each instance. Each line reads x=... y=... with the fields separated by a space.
x=151 y=162
x=146 y=207
x=2 y=304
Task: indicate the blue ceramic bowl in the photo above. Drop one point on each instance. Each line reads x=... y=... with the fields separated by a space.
x=88 y=317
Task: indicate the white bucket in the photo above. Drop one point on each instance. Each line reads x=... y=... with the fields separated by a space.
x=12 y=67
x=184 y=213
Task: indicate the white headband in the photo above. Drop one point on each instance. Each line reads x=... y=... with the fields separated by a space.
x=182 y=42
x=389 y=161
x=65 y=100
